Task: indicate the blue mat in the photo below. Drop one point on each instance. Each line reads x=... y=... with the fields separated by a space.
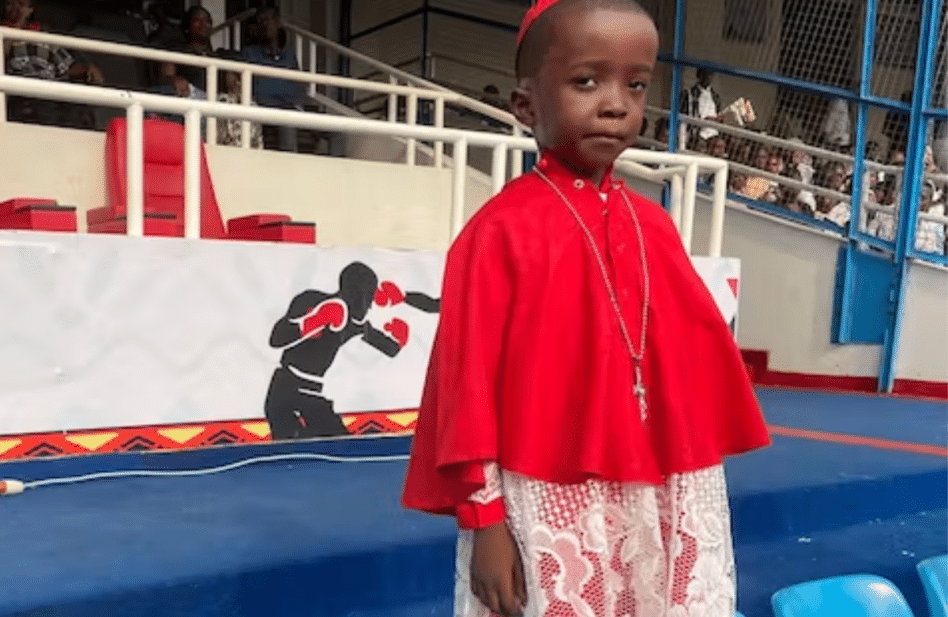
x=330 y=539
x=886 y=417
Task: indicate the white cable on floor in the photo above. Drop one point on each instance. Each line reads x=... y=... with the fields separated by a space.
x=14 y=487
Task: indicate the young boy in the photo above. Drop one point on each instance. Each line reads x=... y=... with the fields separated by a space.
x=583 y=387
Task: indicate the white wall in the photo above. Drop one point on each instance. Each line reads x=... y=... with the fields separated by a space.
x=73 y=177
x=787 y=281
x=352 y=202
x=924 y=344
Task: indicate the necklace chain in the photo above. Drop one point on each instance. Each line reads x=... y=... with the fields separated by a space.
x=639 y=389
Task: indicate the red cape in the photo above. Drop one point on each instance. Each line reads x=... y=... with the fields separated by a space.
x=529 y=368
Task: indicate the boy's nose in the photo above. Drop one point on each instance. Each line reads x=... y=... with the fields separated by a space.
x=614 y=102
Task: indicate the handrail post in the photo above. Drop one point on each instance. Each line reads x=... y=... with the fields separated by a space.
x=392 y=101
x=459 y=187
x=411 y=118
x=134 y=163
x=236 y=34
x=246 y=85
x=3 y=96
x=212 y=86
x=498 y=168
x=516 y=164
x=439 y=123
x=674 y=210
x=299 y=47
x=312 y=65
x=718 y=205
x=688 y=205
x=192 y=174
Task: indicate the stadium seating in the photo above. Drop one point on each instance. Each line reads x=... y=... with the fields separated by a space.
x=934 y=574
x=854 y=595
x=164 y=192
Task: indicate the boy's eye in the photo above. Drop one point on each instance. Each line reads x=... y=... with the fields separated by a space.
x=638 y=86
x=585 y=82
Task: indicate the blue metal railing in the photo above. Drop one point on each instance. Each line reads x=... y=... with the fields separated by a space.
x=919 y=112
x=914 y=169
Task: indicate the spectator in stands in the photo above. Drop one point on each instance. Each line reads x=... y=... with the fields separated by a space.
x=717 y=147
x=883 y=221
x=829 y=208
x=272 y=50
x=737 y=182
x=491 y=96
x=661 y=130
x=742 y=151
x=184 y=79
x=763 y=188
x=930 y=237
x=18 y=14
x=42 y=61
x=837 y=126
x=230 y=131
x=801 y=170
x=699 y=101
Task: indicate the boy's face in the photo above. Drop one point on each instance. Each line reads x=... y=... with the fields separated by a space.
x=587 y=100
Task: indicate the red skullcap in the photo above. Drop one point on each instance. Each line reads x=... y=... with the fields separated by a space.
x=535 y=11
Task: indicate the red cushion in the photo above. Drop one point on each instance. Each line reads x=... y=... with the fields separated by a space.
x=280 y=231
x=19 y=203
x=41 y=218
x=253 y=221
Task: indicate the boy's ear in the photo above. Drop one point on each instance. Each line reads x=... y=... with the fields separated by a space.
x=521 y=104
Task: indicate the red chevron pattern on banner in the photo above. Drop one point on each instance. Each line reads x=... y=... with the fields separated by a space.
x=180 y=436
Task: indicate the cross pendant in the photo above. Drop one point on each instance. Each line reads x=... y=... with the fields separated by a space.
x=639 y=391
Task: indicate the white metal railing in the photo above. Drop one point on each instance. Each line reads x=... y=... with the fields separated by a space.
x=307 y=45
x=769 y=140
x=412 y=93
x=682 y=168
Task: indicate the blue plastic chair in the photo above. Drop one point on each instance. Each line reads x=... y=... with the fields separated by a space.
x=855 y=595
x=934 y=574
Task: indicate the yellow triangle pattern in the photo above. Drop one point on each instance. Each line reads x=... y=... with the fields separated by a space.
x=348 y=420
x=404 y=418
x=260 y=429
x=8 y=444
x=181 y=435
x=92 y=441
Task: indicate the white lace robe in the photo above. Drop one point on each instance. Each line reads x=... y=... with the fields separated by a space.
x=610 y=549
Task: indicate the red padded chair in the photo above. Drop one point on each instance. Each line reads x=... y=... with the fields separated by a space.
x=164 y=191
x=36 y=213
x=163 y=179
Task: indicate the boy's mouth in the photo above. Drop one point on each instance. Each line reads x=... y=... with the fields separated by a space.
x=606 y=136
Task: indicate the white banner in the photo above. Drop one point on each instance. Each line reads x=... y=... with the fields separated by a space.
x=104 y=331
x=101 y=331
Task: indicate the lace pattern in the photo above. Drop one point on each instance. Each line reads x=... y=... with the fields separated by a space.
x=609 y=549
x=492 y=485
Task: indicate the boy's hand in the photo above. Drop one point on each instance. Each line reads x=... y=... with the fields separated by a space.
x=497 y=571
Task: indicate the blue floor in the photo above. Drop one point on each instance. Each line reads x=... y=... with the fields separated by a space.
x=330 y=539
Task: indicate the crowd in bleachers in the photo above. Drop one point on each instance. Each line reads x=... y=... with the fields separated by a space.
x=882 y=180
x=148 y=23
